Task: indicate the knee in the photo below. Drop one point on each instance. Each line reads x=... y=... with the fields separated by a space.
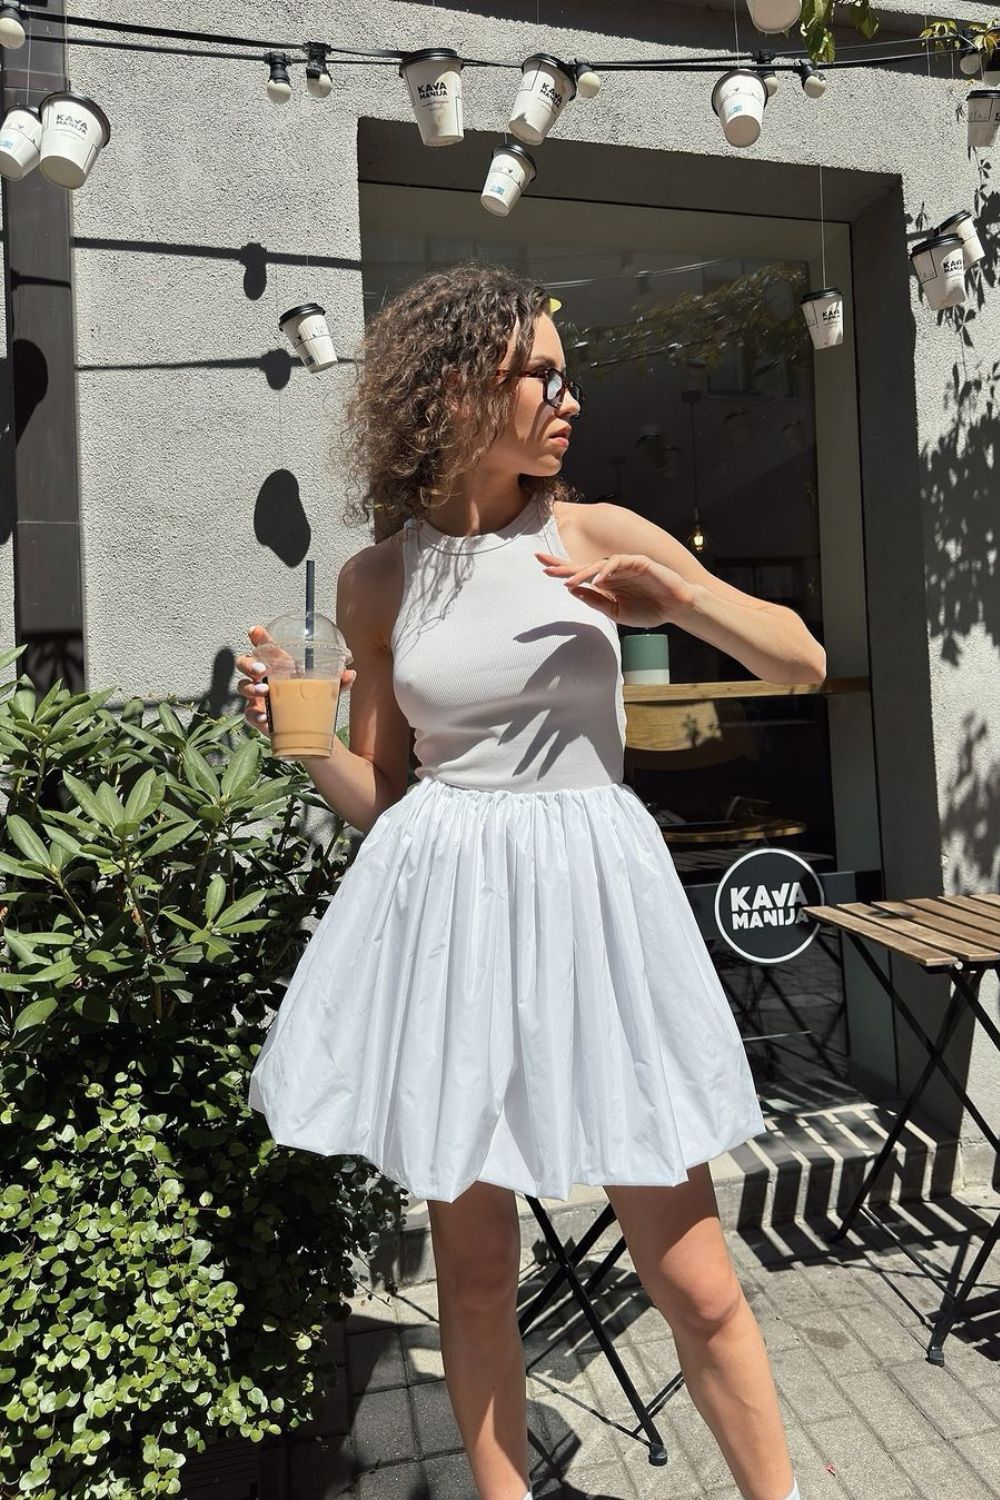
x=702 y=1308
x=485 y=1287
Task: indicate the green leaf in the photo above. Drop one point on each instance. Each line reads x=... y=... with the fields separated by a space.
x=27 y=841
x=173 y=836
x=199 y=773
x=94 y=1008
x=7 y=657
x=241 y=769
x=85 y=798
x=145 y=797
x=241 y=908
x=112 y=805
x=35 y=1014
x=169 y=720
x=214 y=897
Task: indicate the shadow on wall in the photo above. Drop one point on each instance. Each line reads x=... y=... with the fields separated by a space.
x=963 y=567
x=279 y=518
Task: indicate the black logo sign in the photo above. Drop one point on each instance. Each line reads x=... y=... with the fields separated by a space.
x=432 y=90
x=759 y=901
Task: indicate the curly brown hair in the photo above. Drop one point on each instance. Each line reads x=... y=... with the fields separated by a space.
x=403 y=443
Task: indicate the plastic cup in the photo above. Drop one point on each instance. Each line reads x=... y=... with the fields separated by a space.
x=306 y=329
x=547 y=86
x=434 y=79
x=824 y=315
x=771 y=16
x=511 y=170
x=940 y=266
x=964 y=225
x=739 y=99
x=982 y=113
x=74 y=132
x=20 y=142
x=304 y=660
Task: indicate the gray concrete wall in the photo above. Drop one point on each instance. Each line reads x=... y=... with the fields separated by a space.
x=192 y=236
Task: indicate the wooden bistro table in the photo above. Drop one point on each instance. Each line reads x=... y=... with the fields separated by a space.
x=959 y=936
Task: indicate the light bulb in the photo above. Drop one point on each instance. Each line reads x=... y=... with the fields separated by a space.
x=970 y=62
x=770 y=80
x=279 y=88
x=319 y=83
x=12 y=32
x=813 y=81
x=588 y=83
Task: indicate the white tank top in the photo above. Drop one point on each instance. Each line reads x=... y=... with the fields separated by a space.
x=509 y=682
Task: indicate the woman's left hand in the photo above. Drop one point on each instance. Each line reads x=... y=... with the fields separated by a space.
x=629 y=588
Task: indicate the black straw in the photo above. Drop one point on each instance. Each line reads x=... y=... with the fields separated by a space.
x=310 y=610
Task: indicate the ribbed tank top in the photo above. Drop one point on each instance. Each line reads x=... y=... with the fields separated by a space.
x=509 y=682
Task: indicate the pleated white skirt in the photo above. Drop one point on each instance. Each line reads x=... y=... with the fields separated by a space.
x=509 y=987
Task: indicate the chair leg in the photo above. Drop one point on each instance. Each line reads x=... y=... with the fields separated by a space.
x=953 y=1306
x=657 y=1448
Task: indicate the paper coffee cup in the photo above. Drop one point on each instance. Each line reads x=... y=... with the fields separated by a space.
x=304 y=660
x=824 y=315
x=434 y=79
x=20 y=142
x=739 y=99
x=982 y=113
x=772 y=16
x=306 y=329
x=547 y=86
x=964 y=225
x=511 y=170
x=940 y=266
x=74 y=132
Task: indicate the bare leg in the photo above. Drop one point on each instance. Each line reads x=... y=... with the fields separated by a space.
x=477 y=1244
x=680 y=1254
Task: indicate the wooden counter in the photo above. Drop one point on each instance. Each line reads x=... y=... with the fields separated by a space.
x=684 y=717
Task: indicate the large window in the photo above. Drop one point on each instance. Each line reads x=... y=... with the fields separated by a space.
x=708 y=412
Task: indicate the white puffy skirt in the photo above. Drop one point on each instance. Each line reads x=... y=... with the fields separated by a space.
x=509 y=987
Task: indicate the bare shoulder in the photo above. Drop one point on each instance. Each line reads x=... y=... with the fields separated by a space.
x=370 y=588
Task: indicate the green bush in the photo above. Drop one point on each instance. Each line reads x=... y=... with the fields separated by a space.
x=167 y=1274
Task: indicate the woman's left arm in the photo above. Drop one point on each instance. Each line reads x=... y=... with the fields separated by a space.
x=770 y=640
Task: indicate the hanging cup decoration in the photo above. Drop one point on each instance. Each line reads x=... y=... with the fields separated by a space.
x=738 y=99
x=434 y=79
x=771 y=16
x=964 y=225
x=306 y=329
x=20 y=142
x=511 y=170
x=940 y=266
x=75 y=131
x=991 y=69
x=547 y=86
x=824 y=315
x=982 y=112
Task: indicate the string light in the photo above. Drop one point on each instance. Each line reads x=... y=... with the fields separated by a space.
x=279 y=85
x=588 y=83
x=318 y=80
x=813 y=81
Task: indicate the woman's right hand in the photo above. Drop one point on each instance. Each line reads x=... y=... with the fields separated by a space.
x=254 y=690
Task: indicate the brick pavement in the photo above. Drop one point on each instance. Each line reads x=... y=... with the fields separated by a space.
x=868 y=1417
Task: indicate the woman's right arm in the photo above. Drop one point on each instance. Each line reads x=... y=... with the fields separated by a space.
x=360 y=782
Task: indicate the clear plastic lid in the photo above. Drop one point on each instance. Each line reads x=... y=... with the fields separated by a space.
x=301 y=643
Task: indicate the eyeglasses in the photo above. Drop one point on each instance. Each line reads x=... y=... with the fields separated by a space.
x=556 y=384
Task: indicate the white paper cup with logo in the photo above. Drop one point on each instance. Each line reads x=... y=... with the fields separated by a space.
x=20 y=142
x=940 y=266
x=74 y=132
x=305 y=328
x=824 y=315
x=434 y=78
x=771 y=16
x=547 y=86
x=982 y=114
x=511 y=170
x=964 y=225
x=739 y=99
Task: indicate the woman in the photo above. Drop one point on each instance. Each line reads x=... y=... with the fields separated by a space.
x=509 y=990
